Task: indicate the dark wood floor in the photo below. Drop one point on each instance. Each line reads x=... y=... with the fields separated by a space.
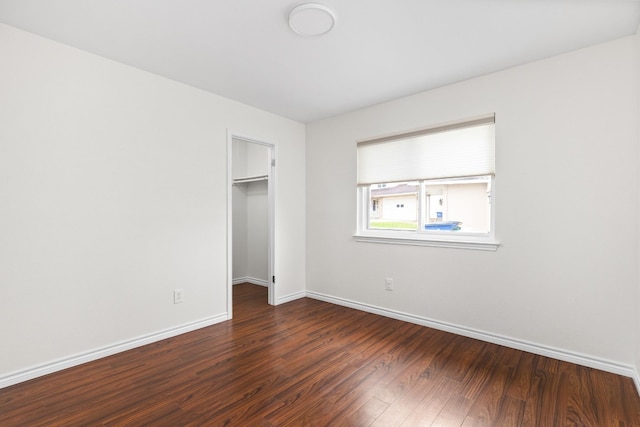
x=309 y=363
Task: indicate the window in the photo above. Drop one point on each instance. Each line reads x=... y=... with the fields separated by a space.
x=433 y=186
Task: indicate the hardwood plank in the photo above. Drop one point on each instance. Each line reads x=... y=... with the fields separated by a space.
x=434 y=403
x=454 y=412
x=541 y=407
x=365 y=415
x=492 y=397
x=312 y=363
x=523 y=376
x=407 y=404
x=414 y=374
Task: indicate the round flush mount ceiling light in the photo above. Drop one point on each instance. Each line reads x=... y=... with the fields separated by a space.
x=311 y=19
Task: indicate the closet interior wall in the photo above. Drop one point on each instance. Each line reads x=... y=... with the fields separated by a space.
x=250 y=163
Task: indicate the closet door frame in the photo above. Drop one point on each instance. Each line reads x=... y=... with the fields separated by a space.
x=271 y=216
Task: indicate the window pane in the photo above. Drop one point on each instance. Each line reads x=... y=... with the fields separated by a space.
x=458 y=205
x=394 y=206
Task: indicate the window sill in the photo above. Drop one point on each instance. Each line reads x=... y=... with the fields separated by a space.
x=467 y=241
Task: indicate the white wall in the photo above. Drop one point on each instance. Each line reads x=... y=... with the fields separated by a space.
x=250 y=232
x=257 y=231
x=257 y=159
x=239 y=246
x=637 y=336
x=566 y=133
x=113 y=184
x=249 y=159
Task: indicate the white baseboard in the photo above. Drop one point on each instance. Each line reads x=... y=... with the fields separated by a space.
x=636 y=380
x=68 y=362
x=555 y=353
x=251 y=280
x=291 y=297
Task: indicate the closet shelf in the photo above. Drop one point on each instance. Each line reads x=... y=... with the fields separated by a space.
x=250 y=179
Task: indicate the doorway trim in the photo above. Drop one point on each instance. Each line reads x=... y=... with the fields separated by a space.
x=231 y=135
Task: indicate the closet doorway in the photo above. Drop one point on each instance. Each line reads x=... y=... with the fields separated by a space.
x=251 y=166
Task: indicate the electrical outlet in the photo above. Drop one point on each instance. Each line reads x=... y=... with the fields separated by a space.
x=388 y=284
x=178 y=295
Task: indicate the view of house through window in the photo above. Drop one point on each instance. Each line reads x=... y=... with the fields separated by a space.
x=396 y=205
x=462 y=204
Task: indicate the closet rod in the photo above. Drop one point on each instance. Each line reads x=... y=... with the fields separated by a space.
x=250 y=179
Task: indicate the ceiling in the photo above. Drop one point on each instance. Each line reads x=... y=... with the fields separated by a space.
x=379 y=49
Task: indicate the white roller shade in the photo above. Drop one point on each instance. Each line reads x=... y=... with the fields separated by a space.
x=464 y=149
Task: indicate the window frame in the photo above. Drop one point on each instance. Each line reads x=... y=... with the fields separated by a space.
x=419 y=237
